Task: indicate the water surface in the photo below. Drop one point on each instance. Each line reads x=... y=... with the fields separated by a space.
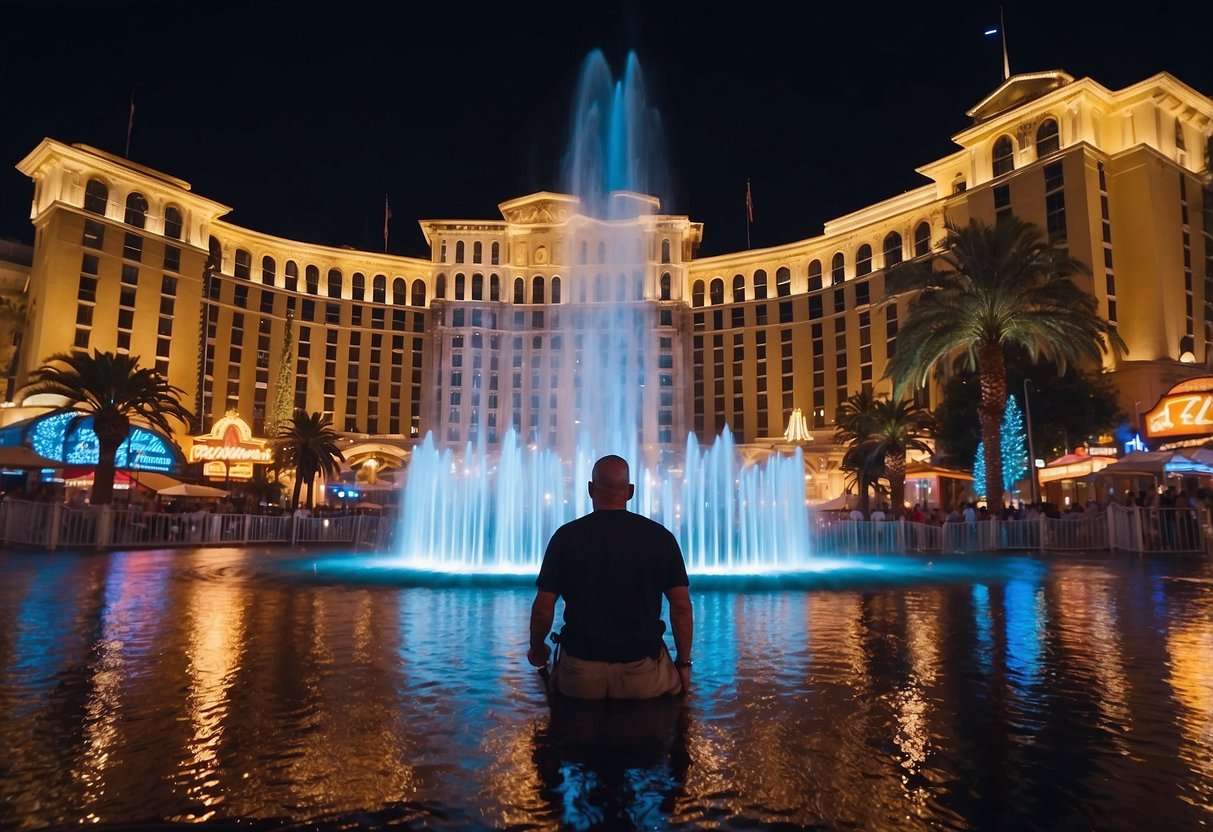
x=215 y=685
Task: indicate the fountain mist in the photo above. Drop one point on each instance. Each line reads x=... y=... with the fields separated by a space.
x=614 y=371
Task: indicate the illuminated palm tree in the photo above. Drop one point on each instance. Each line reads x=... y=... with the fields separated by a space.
x=12 y=327
x=879 y=432
x=307 y=443
x=992 y=287
x=113 y=390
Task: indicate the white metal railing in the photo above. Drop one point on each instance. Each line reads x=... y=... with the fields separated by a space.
x=54 y=525
x=1153 y=529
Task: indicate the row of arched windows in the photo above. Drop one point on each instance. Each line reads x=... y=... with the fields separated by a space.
x=892 y=254
x=403 y=292
x=604 y=289
x=96 y=199
x=1048 y=140
x=583 y=252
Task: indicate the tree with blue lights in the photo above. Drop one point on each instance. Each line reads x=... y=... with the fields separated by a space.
x=1014 y=445
x=979 y=470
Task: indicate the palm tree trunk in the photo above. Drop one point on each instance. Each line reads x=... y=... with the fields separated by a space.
x=895 y=469
x=992 y=375
x=298 y=488
x=111 y=432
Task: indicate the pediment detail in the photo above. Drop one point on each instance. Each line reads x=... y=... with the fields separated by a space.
x=1018 y=90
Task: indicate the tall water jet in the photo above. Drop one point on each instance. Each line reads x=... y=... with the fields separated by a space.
x=597 y=364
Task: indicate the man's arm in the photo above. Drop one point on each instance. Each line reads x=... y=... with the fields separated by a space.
x=682 y=622
x=543 y=613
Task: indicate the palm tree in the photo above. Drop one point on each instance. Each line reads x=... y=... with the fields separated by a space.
x=113 y=390
x=12 y=327
x=999 y=286
x=308 y=444
x=880 y=432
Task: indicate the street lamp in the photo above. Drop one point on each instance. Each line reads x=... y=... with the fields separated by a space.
x=1027 y=411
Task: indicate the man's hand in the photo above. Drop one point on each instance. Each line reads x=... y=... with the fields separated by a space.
x=538 y=656
x=684 y=673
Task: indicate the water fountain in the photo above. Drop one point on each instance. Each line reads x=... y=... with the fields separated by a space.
x=492 y=506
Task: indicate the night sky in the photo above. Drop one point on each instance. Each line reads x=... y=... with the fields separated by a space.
x=302 y=120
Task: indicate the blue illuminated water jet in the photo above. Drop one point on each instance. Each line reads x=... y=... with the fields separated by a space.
x=491 y=506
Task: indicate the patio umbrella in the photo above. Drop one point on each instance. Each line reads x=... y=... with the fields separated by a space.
x=22 y=456
x=189 y=489
x=839 y=503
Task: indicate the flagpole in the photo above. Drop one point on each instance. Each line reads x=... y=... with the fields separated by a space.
x=130 y=125
x=387 y=215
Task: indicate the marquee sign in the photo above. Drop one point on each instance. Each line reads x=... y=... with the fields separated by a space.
x=69 y=438
x=1185 y=410
x=230 y=450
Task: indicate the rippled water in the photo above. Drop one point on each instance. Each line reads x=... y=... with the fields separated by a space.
x=309 y=692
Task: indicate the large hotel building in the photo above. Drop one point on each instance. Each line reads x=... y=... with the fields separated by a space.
x=468 y=341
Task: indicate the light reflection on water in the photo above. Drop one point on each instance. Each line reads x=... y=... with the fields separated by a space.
x=995 y=693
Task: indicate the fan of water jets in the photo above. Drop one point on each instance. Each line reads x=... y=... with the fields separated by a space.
x=492 y=507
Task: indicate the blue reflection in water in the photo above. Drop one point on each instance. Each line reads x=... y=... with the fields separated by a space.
x=1024 y=620
x=984 y=630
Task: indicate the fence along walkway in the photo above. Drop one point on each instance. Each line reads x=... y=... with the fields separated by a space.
x=56 y=526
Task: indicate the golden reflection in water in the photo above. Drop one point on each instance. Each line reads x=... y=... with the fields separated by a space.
x=133 y=591
x=1190 y=646
x=913 y=701
x=215 y=627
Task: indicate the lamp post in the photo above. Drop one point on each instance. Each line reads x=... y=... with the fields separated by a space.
x=1027 y=411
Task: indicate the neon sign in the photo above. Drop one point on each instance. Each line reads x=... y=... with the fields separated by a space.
x=69 y=438
x=229 y=451
x=1186 y=410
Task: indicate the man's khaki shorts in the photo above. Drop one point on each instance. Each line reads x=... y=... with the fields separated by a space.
x=643 y=679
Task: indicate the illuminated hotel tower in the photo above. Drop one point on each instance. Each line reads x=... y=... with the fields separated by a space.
x=460 y=344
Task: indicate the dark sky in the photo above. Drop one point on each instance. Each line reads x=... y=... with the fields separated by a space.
x=302 y=120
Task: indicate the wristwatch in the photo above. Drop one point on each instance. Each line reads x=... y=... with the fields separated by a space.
x=680 y=663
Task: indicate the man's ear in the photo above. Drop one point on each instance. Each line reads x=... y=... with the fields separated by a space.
x=590 y=489
x=631 y=490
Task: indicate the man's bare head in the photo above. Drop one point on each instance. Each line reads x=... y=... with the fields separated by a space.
x=611 y=486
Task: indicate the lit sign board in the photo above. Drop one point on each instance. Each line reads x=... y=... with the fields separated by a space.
x=1186 y=410
x=69 y=438
x=230 y=451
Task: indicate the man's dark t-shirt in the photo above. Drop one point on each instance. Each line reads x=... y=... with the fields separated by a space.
x=612 y=568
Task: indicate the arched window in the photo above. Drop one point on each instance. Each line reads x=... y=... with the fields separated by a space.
x=172 y=223
x=665 y=286
x=1004 y=155
x=459 y=286
x=477 y=251
x=716 y=291
x=519 y=290
x=783 y=281
x=838 y=269
x=478 y=285
x=863 y=260
x=583 y=253
x=537 y=289
x=136 y=210
x=334 y=283
x=814 y=275
x=601 y=252
x=96 y=196
x=442 y=252
x=311 y=277
x=601 y=290
x=268 y=268
x=738 y=288
x=358 y=286
x=621 y=288
x=760 y=284
x=495 y=254
x=242 y=265
x=440 y=287
x=459 y=251
x=292 y=276
x=494 y=287
x=892 y=249
x=418 y=292
x=400 y=292
x=665 y=251
x=1047 y=138
x=1179 y=135
x=379 y=288
x=555 y=290
x=922 y=239
x=697 y=293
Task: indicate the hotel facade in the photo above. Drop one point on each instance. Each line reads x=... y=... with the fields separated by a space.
x=470 y=342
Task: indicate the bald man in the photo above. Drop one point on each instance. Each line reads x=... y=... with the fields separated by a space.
x=612 y=568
